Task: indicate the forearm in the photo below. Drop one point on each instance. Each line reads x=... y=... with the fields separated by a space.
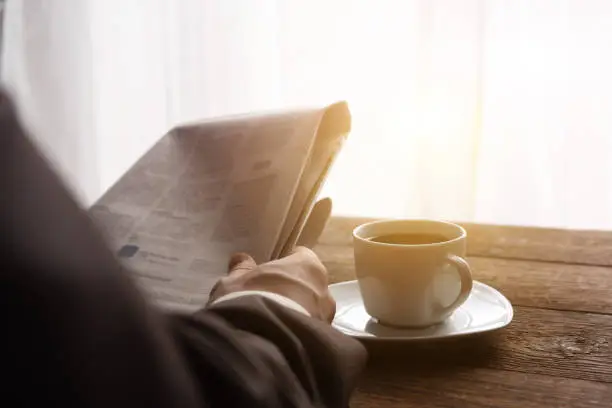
x=254 y=352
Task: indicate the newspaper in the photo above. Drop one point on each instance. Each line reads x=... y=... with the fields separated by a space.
x=206 y=190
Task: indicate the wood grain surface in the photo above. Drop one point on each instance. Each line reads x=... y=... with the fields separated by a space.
x=475 y=388
x=543 y=244
x=557 y=352
x=526 y=283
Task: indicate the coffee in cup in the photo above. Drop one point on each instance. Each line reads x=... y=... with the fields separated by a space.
x=411 y=273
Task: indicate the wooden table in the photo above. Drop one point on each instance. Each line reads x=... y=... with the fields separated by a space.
x=557 y=352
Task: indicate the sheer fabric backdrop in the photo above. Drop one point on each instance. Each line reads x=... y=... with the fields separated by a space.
x=492 y=111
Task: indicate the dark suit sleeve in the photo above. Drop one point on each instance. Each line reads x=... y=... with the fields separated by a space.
x=76 y=332
x=260 y=354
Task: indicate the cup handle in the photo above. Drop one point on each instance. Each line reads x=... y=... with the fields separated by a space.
x=465 y=273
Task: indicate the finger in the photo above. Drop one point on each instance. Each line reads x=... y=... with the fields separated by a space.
x=310 y=266
x=241 y=260
x=308 y=255
x=299 y=249
x=304 y=252
x=315 y=224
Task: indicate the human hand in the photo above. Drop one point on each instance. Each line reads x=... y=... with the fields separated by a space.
x=300 y=276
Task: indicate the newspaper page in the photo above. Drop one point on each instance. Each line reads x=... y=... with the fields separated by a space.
x=334 y=127
x=203 y=192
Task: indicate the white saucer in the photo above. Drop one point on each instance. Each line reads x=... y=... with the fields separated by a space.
x=485 y=310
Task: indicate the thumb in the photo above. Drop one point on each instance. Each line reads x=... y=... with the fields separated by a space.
x=241 y=260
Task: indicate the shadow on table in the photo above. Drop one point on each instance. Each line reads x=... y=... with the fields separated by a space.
x=433 y=356
x=442 y=373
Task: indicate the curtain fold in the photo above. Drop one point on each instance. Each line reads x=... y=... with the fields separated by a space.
x=474 y=110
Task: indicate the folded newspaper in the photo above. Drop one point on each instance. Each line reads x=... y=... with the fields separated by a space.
x=205 y=190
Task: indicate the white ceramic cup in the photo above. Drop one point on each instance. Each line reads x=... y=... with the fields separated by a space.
x=412 y=285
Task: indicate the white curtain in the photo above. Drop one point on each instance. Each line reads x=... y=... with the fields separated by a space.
x=496 y=111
